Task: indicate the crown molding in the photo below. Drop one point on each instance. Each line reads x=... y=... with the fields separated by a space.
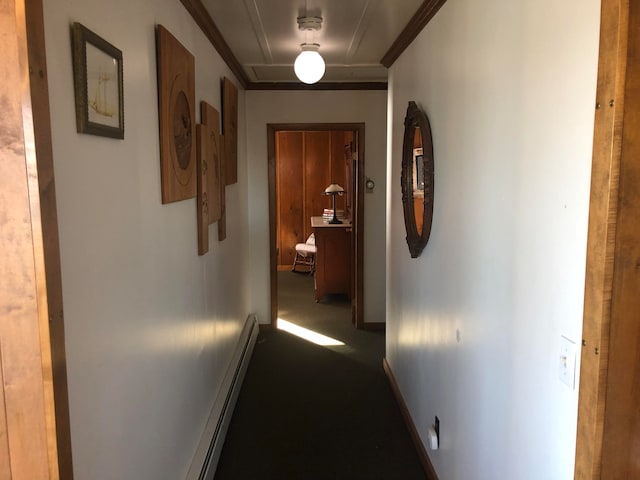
x=201 y=16
x=419 y=20
x=317 y=86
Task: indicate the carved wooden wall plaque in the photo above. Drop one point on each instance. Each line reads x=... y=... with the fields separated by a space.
x=211 y=120
x=230 y=130
x=176 y=103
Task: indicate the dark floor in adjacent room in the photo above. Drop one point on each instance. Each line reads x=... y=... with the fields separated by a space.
x=317 y=412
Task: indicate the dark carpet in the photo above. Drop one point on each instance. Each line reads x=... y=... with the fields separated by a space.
x=317 y=412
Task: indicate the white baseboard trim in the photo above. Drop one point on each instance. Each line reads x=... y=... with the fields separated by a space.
x=205 y=460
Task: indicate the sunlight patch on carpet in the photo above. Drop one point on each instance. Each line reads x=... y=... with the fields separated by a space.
x=306 y=334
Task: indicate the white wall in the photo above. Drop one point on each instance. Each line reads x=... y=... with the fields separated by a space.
x=150 y=326
x=509 y=88
x=265 y=107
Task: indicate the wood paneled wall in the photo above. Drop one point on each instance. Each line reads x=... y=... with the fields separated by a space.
x=291 y=193
x=306 y=163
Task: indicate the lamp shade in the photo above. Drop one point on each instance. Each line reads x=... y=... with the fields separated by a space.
x=309 y=66
x=333 y=189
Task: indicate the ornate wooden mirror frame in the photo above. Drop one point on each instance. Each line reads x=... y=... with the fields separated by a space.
x=417 y=179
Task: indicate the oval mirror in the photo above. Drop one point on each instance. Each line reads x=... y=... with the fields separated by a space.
x=417 y=179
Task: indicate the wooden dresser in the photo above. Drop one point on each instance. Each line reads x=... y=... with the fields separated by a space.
x=333 y=258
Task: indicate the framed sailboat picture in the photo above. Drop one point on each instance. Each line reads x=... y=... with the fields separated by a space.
x=97 y=75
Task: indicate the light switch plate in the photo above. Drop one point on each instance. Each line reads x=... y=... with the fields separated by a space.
x=567 y=362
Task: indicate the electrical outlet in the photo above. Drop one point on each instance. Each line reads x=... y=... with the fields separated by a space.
x=433 y=435
x=567 y=365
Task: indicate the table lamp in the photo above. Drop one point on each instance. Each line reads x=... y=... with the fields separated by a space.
x=333 y=190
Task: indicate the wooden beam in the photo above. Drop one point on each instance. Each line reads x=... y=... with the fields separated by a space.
x=425 y=13
x=201 y=16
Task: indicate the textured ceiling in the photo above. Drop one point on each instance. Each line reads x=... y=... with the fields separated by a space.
x=264 y=36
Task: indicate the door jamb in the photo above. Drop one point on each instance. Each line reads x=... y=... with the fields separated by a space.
x=601 y=242
x=39 y=90
x=358 y=222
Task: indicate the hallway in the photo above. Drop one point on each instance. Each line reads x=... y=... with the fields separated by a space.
x=317 y=412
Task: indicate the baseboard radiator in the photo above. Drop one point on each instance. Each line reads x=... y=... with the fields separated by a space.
x=205 y=461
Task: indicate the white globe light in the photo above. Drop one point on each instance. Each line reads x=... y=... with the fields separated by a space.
x=309 y=66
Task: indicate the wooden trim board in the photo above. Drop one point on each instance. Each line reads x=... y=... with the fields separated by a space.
x=49 y=220
x=318 y=86
x=621 y=431
x=201 y=16
x=608 y=441
x=374 y=326
x=601 y=242
x=28 y=441
x=273 y=227
x=419 y=20
x=265 y=327
x=408 y=420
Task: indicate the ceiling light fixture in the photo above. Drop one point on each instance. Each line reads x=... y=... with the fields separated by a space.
x=309 y=66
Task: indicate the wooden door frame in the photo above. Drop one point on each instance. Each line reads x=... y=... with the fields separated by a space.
x=603 y=283
x=358 y=130
x=39 y=90
x=32 y=430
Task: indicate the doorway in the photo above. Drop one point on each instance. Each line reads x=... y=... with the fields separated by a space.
x=357 y=135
